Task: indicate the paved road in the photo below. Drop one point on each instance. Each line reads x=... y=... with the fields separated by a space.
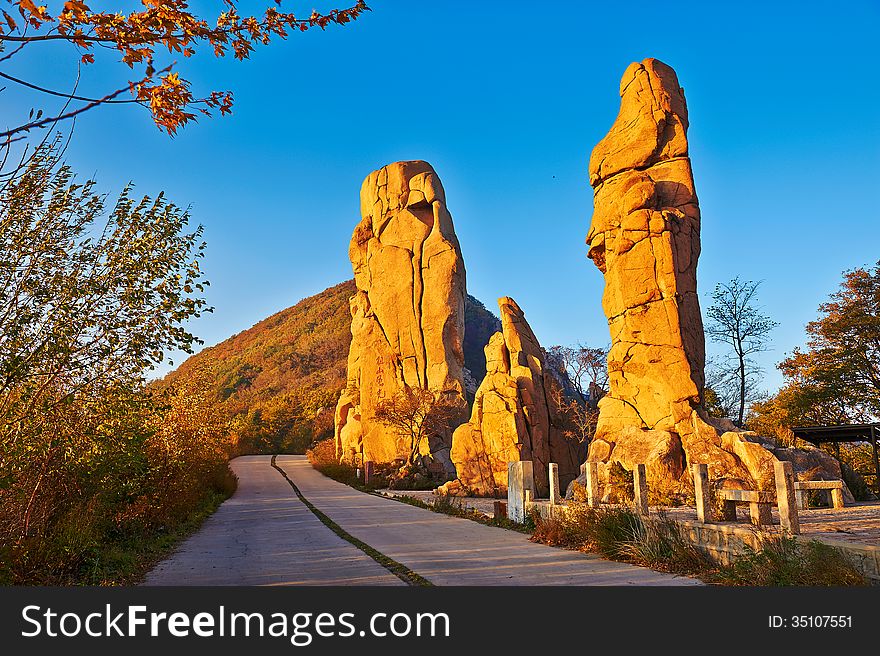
x=450 y=551
x=264 y=535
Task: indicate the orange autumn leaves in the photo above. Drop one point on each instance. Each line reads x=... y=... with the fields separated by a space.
x=162 y=26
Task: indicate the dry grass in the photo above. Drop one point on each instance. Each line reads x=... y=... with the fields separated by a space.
x=788 y=562
x=619 y=533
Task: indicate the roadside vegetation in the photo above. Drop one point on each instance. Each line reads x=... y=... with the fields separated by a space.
x=97 y=471
x=100 y=472
x=619 y=533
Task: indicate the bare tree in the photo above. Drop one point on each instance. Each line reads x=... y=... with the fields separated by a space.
x=584 y=367
x=417 y=414
x=579 y=417
x=736 y=320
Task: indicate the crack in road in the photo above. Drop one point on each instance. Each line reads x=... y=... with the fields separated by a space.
x=400 y=570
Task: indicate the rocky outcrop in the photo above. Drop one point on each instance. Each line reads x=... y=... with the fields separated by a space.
x=408 y=312
x=515 y=416
x=645 y=238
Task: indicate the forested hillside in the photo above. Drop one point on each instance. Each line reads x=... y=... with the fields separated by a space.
x=280 y=379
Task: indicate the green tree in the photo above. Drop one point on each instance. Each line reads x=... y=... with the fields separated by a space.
x=91 y=298
x=88 y=297
x=736 y=320
x=836 y=378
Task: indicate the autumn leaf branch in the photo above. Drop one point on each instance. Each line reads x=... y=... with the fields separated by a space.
x=163 y=23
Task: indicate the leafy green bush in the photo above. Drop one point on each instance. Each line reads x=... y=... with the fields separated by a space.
x=93 y=466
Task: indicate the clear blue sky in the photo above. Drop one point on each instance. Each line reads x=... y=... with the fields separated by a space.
x=506 y=100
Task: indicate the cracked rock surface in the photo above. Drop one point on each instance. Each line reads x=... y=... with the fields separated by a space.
x=408 y=312
x=645 y=239
x=514 y=417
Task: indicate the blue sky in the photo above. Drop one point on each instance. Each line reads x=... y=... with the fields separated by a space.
x=506 y=100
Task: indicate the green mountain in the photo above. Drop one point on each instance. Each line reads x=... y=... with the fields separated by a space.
x=279 y=380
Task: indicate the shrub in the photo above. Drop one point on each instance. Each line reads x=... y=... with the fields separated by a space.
x=323 y=452
x=785 y=561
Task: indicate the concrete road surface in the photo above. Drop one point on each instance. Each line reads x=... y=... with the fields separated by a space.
x=452 y=551
x=264 y=535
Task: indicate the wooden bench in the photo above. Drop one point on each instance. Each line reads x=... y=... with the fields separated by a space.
x=760 y=504
x=802 y=488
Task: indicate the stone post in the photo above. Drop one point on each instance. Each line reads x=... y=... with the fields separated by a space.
x=554 y=484
x=701 y=492
x=640 y=489
x=802 y=499
x=357 y=473
x=592 y=471
x=520 y=477
x=499 y=510
x=837 y=497
x=785 y=498
x=369 y=468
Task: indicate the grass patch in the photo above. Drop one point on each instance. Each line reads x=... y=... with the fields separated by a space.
x=784 y=561
x=619 y=533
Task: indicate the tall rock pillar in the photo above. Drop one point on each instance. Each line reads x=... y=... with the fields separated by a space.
x=645 y=239
x=408 y=312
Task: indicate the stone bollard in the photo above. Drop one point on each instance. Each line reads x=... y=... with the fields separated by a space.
x=837 y=497
x=592 y=471
x=555 y=497
x=357 y=473
x=369 y=469
x=520 y=479
x=701 y=492
x=785 y=498
x=802 y=499
x=640 y=489
x=499 y=510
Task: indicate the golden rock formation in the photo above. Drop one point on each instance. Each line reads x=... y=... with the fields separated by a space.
x=645 y=238
x=408 y=313
x=514 y=416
